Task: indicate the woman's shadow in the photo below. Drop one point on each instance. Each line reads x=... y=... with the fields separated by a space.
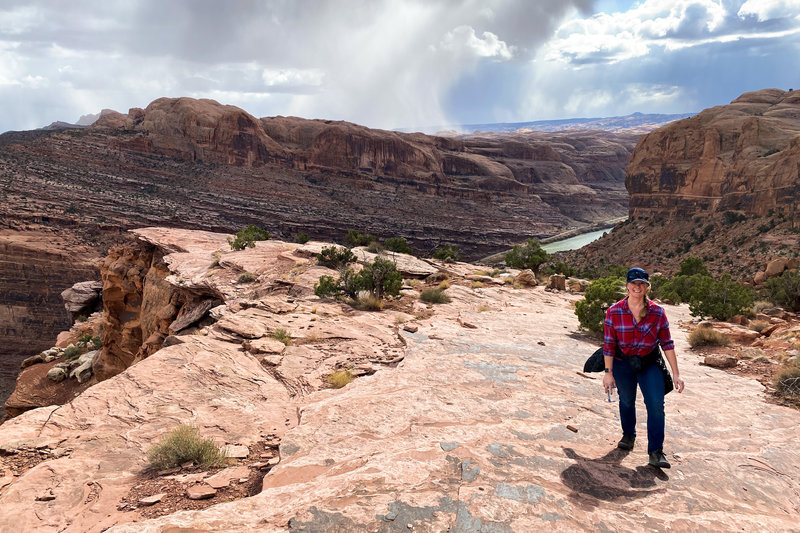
x=606 y=479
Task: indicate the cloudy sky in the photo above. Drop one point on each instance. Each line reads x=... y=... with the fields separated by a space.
x=393 y=63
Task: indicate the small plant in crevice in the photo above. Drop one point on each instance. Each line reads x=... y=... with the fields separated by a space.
x=247 y=277
x=339 y=378
x=184 y=444
x=281 y=335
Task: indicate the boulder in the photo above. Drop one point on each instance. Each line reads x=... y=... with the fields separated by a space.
x=776 y=267
x=720 y=361
x=577 y=284
x=759 y=278
x=57 y=374
x=526 y=278
x=82 y=298
x=558 y=282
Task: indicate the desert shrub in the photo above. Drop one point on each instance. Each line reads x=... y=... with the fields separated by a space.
x=85 y=338
x=758 y=325
x=691 y=266
x=599 y=296
x=448 y=253
x=732 y=217
x=397 y=244
x=560 y=267
x=184 y=444
x=787 y=381
x=281 y=335
x=476 y=285
x=444 y=285
x=722 y=300
x=704 y=336
x=247 y=237
x=326 y=287
x=354 y=238
x=339 y=378
x=301 y=238
x=381 y=277
x=335 y=257
x=247 y=277
x=375 y=247
x=529 y=255
x=72 y=352
x=434 y=296
x=784 y=290
x=81 y=318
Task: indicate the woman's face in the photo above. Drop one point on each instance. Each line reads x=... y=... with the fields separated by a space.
x=637 y=289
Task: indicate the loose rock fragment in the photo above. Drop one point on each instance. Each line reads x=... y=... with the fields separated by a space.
x=200 y=492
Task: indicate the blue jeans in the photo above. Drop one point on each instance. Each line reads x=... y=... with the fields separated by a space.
x=651 y=381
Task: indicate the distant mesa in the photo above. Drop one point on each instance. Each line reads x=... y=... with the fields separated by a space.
x=89 y=119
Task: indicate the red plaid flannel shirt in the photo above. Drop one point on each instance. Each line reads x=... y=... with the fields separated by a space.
x=635 y=338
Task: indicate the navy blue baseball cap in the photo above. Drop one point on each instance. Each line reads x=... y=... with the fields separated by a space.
x=638 y=274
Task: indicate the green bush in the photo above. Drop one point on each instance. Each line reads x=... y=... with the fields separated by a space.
x=335 y=257
x=247 y=237
x=354 y=238
x=784 y=290
x=379 y=278
x=732 y=217
x=448 y=253
x=397 y=244
x=184 y=444
x=72 y=352
x=434 y=296
x=723 y=299
x=691 y=266
x=301 y=238
x=326 y=287
x=97 y=343
x=530 y=255
x=599 y=296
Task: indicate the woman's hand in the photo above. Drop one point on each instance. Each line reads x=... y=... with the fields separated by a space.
x=609 y=383
x=676 y=379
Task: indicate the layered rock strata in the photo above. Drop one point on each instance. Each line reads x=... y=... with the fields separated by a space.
x=473 y=418
x=742 y=156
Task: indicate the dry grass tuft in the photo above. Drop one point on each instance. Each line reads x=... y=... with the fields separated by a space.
x=758 y=325
x=443 y=286
x=184 y=444
x=339 y=378
x=368 y=302
x=787 y=381
x=704 y=336
x=247 y=277
x=434 y=296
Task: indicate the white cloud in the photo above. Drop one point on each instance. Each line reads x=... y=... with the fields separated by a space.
x=670 y=24
x=464 y=40
x=770 y=9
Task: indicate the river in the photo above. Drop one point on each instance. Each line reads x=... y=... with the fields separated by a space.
x=573 y=243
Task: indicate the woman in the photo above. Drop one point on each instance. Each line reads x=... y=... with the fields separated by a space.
x=634 y=329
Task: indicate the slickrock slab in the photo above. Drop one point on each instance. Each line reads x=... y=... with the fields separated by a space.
x=236 y=451
x=406 y=264
x=110 y=427
x=470 y=433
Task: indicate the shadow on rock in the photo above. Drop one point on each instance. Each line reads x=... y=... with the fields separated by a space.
x=606 y=479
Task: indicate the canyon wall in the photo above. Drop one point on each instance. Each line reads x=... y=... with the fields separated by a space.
x=743 y=156
x=34 y=269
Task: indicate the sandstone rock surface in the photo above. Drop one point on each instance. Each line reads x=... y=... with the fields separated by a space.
x=468 y=431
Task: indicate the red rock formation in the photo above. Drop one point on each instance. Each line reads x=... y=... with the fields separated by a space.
x=742 y=156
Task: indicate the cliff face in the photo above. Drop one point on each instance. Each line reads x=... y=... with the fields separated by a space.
x=723 y=186
x=742 y=156
x=34 y=269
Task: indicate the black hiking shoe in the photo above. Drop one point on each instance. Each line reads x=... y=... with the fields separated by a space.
x=626 y=442
x=658 y=459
